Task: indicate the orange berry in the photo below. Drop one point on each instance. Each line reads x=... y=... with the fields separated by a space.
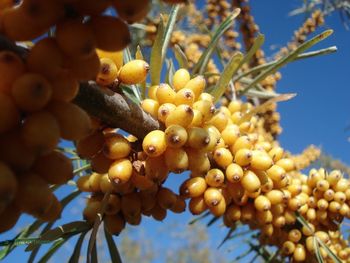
x=154 y=143
x=116 y=146
x=11 y=68
x=108 y=72
x=9 y=114
x=120 y=171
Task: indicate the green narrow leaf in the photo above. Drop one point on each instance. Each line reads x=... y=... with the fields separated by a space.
x=317 y=251
x=310 y=54
x=40 y=242
x=227 y=237
x=226 y=76
x=213 y=220
x=82 y=169
x=77 y=249
x=258 y=42
x=330 y=253
x=180 y=57
x=202 y=63
x=112 y=247
x=156 y=55
x=290 y=57
x=261 y=94
x=170 y=71
x=160 y=45
x=52 y=250
x=199 y=218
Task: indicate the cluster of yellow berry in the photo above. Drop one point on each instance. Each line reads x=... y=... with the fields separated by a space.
x=308 y=156
x=38 y=85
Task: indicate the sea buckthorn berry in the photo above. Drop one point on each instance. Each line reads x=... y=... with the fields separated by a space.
x=90 y=145
x=276 y=153
x=339 y=197
x=176 y=136
x=141 y=182
x=115 y=56
x=243 y=157
x=242 y=142
x=120 y=171
x=116 y=146
x=197 y=85
x=294 y=235
x=198 y=138
x=286 y=163
x=9 y=114
x=184 y=96
x=299 y=253
x=250 y=181
x=180 y=205
x=219 y=120
x=8 y=186
x=9 y=217
x=94 y=182
x=74 y=122
x=113 y=205
x=152 y=92
x=294 y=204
x=262 y=203
x=234 y=173
x=150 y=106
x=294 y=189
x=193 y=187
x=275 y=196
x=264 y=217
x=41 y=132
x=75 y=39
x=334 y=207
x=100 y=163
x=206 y=96
x=182 y=115
x=288 y=248
x=236 y=117
x=276 y=173
x=212 y=197
x=83 y=69
x=248 y=212
x=158 y=213
x=65 y=87
x=181 y=78
x=45 y=57
x=215 y=178
x=333 y=177
x=233 y=212
x=108 y=72
x=55 y=168
x=267 y=186
x=198 y=161
x=164 y=111
x=219 y=209
x=260 y=160
x=230 y=134
x=148 y=201
x=132 y=11
x=156 y=169
x=165 y=94
x=197 y=205
x=166 y=198
x=134 y=72
x=267 y=230
x=223 y=157
x=131 y=205
x=31 y=92
x=176 y=159
x=322 y=204
x=342 y=185
x=206 y=107
x=322 y=185
x=154 y=143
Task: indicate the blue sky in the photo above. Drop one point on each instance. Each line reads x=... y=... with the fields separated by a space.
x=318 y=115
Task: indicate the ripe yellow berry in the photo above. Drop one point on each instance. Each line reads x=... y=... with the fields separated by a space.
x=243 y=142
x=206 y=96
x=150 y=106
x=212 y=197
x=219 y=209
x=197 y=205
x=164 y=111
x=197 y=85
x=275 y=196
x=132 y=11
x=120 y=171
x=133 y=72
x=176 y=159
x=176 y=136
x=234 y=106
x=156 y=169
x=299 y=253
x=165 y=94
x=294 y=235
x=207 y=108
x=215 y=178
x=116 y=146
x=233 y=212
x=262 y=203
x=219 y=120
x=90 y=145
x=154 y=143
x=243 y=157
x=286 y=163
x=276 y=153
x=276 y=173
x=166 y=198
x=152 y=91
x=234 y=173
x=108 y=72
x=182 y=115
x=116 y=56
x=181 y=78
x=100 y=163
x=223 y=157
x=260 y=160
x=193 y=187
x=198 y=138
x=230 y=134
x=250 y=182
x=184 y=96
x=198 y=161
x=288 y=248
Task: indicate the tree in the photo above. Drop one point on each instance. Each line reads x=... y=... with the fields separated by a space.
x=132 y=126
